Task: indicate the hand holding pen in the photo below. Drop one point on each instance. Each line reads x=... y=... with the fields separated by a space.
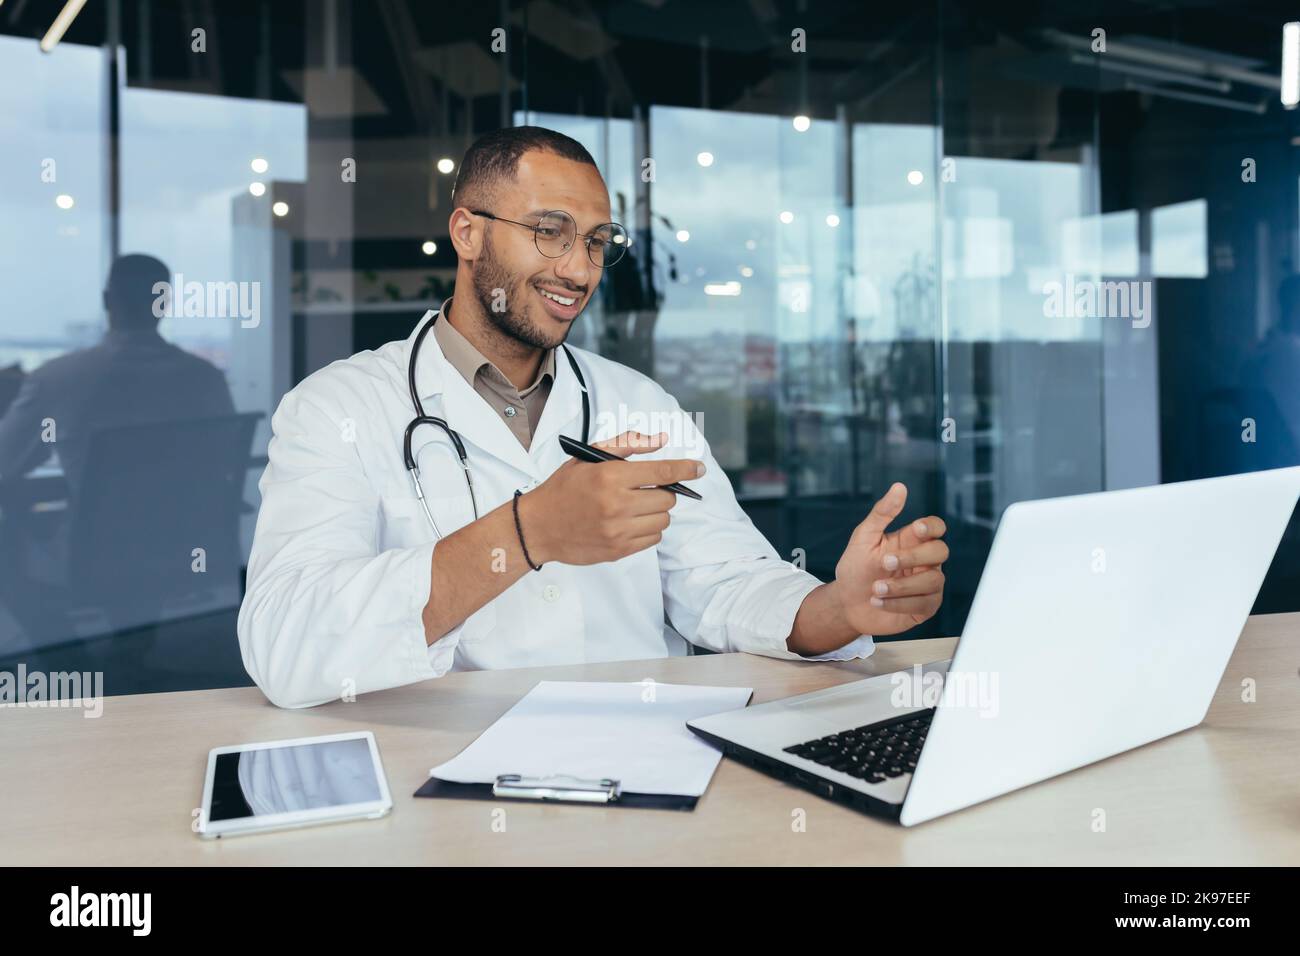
x=595 y=455
x=588 y=512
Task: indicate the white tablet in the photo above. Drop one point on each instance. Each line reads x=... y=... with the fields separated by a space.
x=252 y=788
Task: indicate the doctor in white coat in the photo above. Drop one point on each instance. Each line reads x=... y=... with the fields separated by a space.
x=353 y=586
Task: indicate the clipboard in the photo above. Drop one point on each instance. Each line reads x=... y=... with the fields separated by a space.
x=592 y=744
x=555 y=789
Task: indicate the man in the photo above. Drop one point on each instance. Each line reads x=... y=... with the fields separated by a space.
x=350 y=589
x=134 y=376
x=1271 y=370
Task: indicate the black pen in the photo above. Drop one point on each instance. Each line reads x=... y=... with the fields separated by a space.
x=584 y=452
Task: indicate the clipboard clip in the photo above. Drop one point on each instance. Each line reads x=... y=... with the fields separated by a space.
x=556 y=787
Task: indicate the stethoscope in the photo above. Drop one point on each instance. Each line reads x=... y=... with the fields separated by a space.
x=422 y=419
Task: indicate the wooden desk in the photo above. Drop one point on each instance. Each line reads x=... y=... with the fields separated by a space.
x=121 y=789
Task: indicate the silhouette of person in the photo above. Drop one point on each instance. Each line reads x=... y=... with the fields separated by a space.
x=1273 y=368
x=132 y=377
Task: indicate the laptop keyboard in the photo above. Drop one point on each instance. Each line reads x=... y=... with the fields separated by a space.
x=872 y=753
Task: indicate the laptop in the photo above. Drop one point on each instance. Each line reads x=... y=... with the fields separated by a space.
x=1101 y=622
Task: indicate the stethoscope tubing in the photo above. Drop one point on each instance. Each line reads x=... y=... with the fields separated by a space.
x=408 y=456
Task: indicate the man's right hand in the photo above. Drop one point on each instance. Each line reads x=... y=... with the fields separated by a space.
x=588 y=513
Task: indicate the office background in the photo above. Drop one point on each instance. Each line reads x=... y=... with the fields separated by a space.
x=855 y=257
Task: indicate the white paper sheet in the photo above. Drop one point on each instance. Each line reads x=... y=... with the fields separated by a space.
x=634 y=733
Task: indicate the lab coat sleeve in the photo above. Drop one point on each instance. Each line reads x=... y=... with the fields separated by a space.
x=326 y=613
x=724 y=586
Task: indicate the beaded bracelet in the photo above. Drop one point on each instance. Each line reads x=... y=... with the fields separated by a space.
x=519 y=529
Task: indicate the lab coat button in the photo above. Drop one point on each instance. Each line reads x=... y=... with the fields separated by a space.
x=551 y=593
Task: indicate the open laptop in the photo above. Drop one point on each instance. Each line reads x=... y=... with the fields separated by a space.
x=1102 y=622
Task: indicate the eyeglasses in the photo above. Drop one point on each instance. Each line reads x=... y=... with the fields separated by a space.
x=555 y=232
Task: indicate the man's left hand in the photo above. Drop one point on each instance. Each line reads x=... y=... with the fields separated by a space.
x=888 y=582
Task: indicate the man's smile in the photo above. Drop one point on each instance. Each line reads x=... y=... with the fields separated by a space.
x=560 y=303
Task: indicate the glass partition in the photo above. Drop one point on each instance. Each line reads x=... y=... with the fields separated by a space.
x=952 y=245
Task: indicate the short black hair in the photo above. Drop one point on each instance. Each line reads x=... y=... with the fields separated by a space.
x=129 y=293
x=495 y=156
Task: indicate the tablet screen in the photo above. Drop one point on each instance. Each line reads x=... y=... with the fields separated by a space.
x=309 y=776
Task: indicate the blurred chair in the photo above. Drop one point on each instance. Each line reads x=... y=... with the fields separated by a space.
x=11 y=381
x=152 y=494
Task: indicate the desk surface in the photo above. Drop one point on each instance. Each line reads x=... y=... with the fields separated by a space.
x=121 y=789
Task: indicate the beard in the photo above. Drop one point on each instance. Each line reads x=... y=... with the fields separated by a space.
x=492 y=281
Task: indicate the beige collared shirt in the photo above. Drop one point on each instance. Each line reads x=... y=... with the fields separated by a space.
x=520 y=410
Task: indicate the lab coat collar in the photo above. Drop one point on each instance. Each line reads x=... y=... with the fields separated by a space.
x=476 y=422
x=563 y=411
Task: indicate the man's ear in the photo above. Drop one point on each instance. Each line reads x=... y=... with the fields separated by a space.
x=466 y=233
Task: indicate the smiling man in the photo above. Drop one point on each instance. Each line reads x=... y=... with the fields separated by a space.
x=506 y=552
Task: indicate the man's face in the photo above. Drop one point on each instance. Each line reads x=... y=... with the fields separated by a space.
x=529 y=297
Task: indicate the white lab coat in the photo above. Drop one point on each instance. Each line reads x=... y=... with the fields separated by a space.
x=340 y=566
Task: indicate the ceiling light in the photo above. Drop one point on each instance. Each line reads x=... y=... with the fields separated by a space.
x=1290 y=64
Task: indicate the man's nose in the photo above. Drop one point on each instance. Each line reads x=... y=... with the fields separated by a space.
x=574 y=267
